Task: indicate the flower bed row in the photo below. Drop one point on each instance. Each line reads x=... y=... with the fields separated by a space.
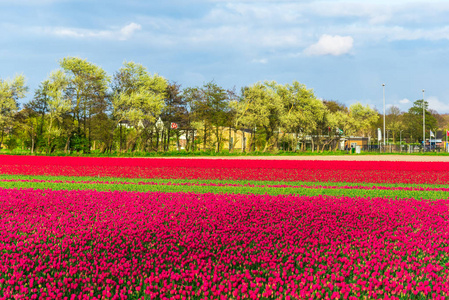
x=236 y=169
x=248 y=185
x=220 y=163
x=85 y=244
x=211 y=187
x=287 y=175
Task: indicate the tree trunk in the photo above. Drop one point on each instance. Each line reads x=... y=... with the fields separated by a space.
x=168 y=139
x=252 y=140
x=3 y=132
x=218 y=139
x=32 y=139
x=121 y=140
x=151 y=140
x=162 y=140
x=66 y=148
x=157 y=140
x=349 y=144
x=277 y=140
x=336 y=144
x=41 y=129
x=235 y=138
x=193 y=139
x=313 y=144
x=48 y=140
x=230 y=143
x=89 y=139
x=205 y=136
x=187 y=147
x=267 y=139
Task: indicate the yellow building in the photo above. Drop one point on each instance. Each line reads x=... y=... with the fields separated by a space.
x=238 y=139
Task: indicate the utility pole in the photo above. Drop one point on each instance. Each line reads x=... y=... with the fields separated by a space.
x=383 y=86
x=423 y=123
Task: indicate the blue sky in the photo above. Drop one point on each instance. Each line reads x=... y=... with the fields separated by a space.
x=344 y=50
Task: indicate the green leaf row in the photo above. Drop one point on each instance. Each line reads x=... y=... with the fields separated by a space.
x=161 y=185
x=214 y=181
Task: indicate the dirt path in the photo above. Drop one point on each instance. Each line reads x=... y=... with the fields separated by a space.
x=353 y=157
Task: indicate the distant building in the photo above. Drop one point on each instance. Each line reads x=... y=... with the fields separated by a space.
x=353 y=141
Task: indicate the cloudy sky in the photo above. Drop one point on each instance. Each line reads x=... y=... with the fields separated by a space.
x=344 y=50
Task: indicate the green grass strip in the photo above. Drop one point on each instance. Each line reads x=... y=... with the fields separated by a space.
x=228 y=189
x=241 y=182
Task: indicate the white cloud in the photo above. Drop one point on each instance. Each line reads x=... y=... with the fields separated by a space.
x=436 y=104
x=271 y=28
x=404 y=101
x=128 y=30
x=123 y=33
x=365 y=21
x=331 y=45
x=260 y=61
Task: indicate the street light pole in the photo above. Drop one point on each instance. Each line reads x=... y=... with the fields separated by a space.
x=388 y=139
x=383 y=86
x=400 y=141
x=423 y=123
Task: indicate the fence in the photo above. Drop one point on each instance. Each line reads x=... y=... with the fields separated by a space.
x=401 y=148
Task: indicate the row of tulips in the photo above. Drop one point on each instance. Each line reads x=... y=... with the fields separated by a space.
x=227 y=169
x=130 y=245
x=249 y=185
x=219 y=188
x=205 y=173
x=220 y=163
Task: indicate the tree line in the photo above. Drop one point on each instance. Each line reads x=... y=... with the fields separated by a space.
x=80 y=108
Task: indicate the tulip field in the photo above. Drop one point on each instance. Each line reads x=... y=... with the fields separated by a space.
x=138 y=228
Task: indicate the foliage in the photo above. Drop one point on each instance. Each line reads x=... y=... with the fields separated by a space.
x=414 y=120
x=87 y=88
x=138 y=98
x=78 y=108
x=363 y=117
x=10 y=92
x=210 y=111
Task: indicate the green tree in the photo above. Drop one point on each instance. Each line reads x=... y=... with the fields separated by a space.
x=175 y=111
x=302 y=113
x=393 y=121
x=336 y=117
x=363 y=118
x=138 y=97
x=209 y=105
x=88 y=85
x=39 y=105
x=413 y=119
x=441 y=121
x=27 y=123
x=259 y=109
x=333 y=106
x=343 y=123
x=58 y=105
x=10 y=93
